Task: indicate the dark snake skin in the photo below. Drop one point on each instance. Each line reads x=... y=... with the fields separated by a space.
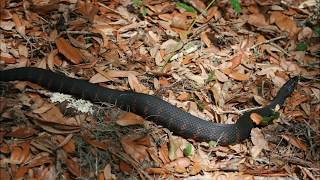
x=150 y=107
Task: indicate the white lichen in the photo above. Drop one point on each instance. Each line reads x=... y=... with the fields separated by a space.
x=79 y=104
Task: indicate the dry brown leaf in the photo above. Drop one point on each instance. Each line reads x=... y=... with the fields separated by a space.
x=22 y=132
x=20 y=153
x=196 y=168
x=128 y=118
x=137 y=151
x=39 y=159
x=164 y=153
x=157 y=171
x=205 y=39
x=94 y=142
x=180 y=21
x=236 y=60
x=284 y=22
x=67 y=143
x=258 y=141
x=73 y=167
x=179 y=164
x=98 y=78
x=124 y=167
x=5 y=14
x=87 y=9
x=7 y=58
x=4 y=174
x=21 y=29
x=23 y=50
x=7 y=25
x=51 y=59
x=54 y=115
x=295 y=142
x=135 y=84
x=21 y=172
x=257 y=20
x=184 y=96
x=239 y=76
x=107 y=173
x=221 y=76
x=305 y=33
x=71 y=53
x=42 y=109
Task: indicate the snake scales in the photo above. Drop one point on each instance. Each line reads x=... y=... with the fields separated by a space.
x=151 y=107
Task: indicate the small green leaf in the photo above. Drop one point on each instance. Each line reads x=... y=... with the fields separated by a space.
x=200 y=105
x=213 y=143
x=188 y=150
x=301 y=46
x=143 y=11
x=210 y=76
x=186 y=7
x=267 y=119
x=137 y=3
x=236 y=6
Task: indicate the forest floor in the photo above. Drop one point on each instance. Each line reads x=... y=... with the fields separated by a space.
x=213 y=59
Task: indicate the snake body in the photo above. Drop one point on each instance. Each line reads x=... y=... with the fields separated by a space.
x=151 y=107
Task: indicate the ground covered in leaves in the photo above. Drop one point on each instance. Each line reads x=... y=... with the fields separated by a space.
x=209 y=58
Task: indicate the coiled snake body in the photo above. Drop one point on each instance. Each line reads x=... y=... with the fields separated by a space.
x=153 y=108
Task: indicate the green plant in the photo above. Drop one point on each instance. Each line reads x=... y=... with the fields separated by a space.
x=301 y=46
x=139 y=5
x=185 y=7
x=236 y=6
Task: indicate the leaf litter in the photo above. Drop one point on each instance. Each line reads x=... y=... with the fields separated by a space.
x=198 y=55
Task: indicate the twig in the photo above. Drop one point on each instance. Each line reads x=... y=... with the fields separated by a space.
x=109 y=8
x=268 y=41
x=280 y=48
x=236 y=111
x=80 y=32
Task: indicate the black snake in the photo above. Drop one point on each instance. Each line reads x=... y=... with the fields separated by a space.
x=151 y=107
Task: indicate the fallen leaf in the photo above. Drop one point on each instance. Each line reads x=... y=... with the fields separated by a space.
x=95 y=143
x=284 y=22
x=179 y=164
x=124 y=167
x=73 y=167
x=135 y=84
x=137 y=151
x=39 y=159
x=164 y=153
x=21 y=29
x=128 y=118
x=239 y=76
x=221 y=76
x=295 y=142
x=257 y=20
x=258 y=141
x=180 y=21
x=21 y=172
x=107 y=173
x=22 y=132
x=71 y=53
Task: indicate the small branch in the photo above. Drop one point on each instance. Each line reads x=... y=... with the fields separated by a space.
x=268 y=41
